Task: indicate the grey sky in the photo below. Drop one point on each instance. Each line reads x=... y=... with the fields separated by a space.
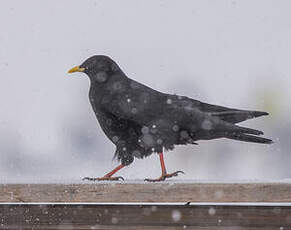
x=234 y=53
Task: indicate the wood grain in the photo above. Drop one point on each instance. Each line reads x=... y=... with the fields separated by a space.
x=150 y=192
x=58 y=216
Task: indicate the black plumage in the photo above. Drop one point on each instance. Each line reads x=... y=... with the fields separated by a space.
x=140 y=120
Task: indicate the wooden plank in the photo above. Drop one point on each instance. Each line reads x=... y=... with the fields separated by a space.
x=59 y=216
x=150 y=192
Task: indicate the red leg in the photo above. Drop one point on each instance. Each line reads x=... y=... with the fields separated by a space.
x=163 y=167
x=164 y=171
x=108 y=176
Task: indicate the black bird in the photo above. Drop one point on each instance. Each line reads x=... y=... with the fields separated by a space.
x=141 y=121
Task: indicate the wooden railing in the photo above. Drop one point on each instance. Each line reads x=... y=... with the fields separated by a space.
x=165 y=205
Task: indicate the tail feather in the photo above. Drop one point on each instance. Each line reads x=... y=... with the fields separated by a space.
x=242 y=130
x=249 y=138
x=236 y=116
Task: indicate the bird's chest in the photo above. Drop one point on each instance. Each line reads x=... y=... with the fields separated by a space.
x=98 y=98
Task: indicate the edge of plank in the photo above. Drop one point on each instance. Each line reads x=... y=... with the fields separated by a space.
x=140 y=192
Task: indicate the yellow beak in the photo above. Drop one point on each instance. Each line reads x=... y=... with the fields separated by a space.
x=76 y=69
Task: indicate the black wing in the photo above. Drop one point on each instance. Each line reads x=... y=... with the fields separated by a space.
x=224 y=113
x=148 y=107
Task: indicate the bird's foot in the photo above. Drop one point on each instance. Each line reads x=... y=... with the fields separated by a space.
x=164 y=176
x=103 y=178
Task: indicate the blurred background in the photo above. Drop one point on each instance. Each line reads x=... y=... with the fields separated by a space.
x=231 y=53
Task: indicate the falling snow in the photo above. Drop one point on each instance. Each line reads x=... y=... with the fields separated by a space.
x=101 y=76
x=176 y=215
x=169 y=101
x=134 y=110
x=211 y=211
x=206 y=125
x=114 y=220
x=159 y=141
x=145 y=130
x=184 y=134
x=175 y=128
x=148 y=140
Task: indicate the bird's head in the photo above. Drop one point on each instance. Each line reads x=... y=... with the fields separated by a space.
x=98 y=68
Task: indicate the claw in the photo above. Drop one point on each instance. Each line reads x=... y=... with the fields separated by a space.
x=88 y=178
x=177 y=173
x=120 y=177
x=164 y=176
x=103 y=178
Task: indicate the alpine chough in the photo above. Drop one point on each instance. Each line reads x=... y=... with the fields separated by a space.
x=140 y=120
